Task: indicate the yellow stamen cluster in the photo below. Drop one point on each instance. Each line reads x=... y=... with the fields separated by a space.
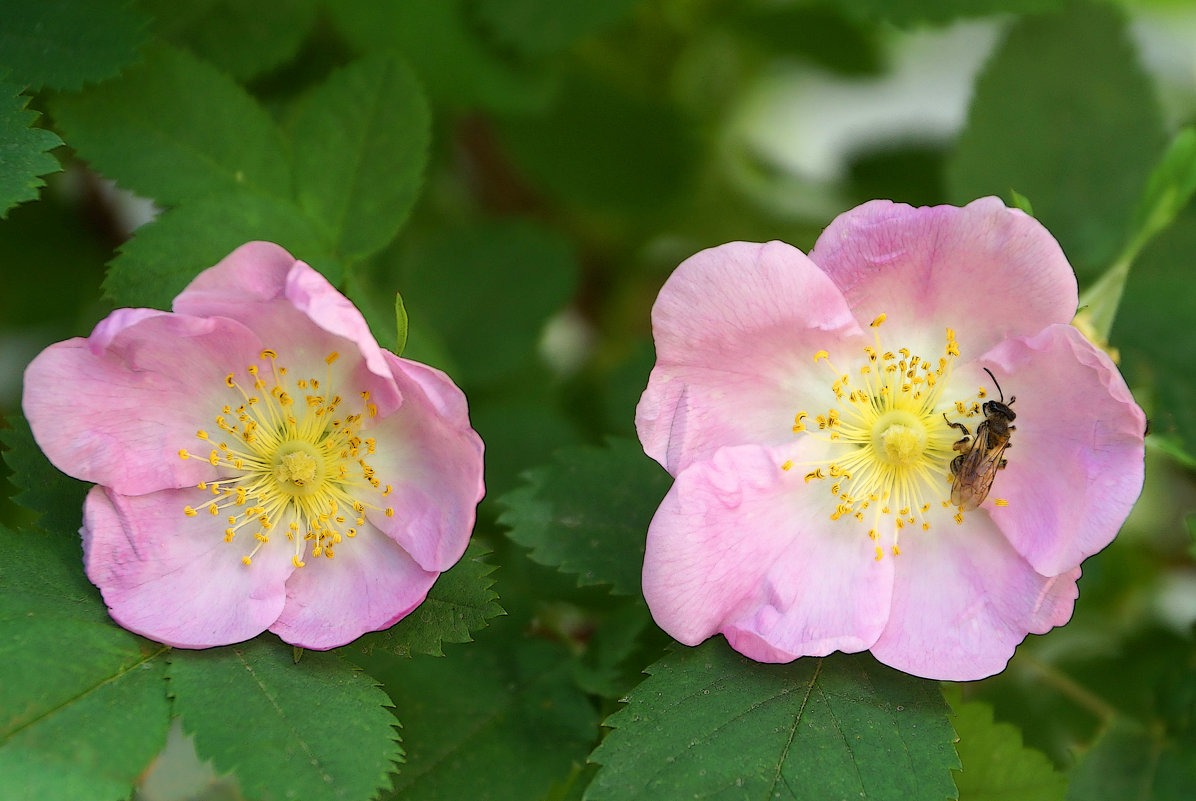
x=292 y=461
x=892 y=445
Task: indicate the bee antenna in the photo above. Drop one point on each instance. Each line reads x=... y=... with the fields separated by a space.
x=998 y=386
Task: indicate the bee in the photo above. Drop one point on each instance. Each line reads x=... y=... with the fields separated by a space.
x=980 y=457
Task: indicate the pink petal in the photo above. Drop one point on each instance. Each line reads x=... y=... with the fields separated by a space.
x=264 y=287
x=117 y=408
x=433 y=461
x=368 y=585
x=736 y=330
x=962 y=601
x=742 y=547
x=1076 y=460
x=987 y=271
x=173 y=578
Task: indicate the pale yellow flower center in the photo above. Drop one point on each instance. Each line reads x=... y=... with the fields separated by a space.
x=891 y=443
x=299 y=470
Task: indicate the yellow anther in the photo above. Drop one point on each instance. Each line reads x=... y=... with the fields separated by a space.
x=822 y=354
x=876 y=323
x=1000 y=502
x=787 y=464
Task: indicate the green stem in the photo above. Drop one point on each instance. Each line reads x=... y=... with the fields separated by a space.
x=1068 y=686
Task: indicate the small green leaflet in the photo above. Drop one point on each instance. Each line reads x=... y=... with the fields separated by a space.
x=400 y=325
x=459 y=603
x=24 y=150
x=588 y=513
x=316 y=730
x=709 y=723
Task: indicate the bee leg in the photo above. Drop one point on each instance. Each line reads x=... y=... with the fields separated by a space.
x=1002 y=463
x=961 y=445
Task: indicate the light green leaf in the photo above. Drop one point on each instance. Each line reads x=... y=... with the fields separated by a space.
x=996 y=766
x=487 y=291
x=459 y=603
x=314 y=730
x=56 y=497
x=400 y=325
x=83 y=704
x=1078 y=134
x=360 y=143
x=174 y=128
x=588 y=513
x=502 y=726
x=24 y=150
x=1169 y=188
x=709 y=723
x=243 y=38
x=545 y=26
x=62 y=44
x=163 y=256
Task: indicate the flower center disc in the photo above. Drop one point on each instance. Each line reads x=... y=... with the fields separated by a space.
x=299 y=469
x=899 y=438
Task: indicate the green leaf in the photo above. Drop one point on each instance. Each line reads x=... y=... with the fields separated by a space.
x=481 y=724
x=24 y=150
x=709 y=723
x=1022 y=202
x=545 y=26
x=83 y=705
x=1078 y=134
x=174 y=128
x=244 y=39
x=163 y=256
x=588 y=513
x=996 y=766
x=400 y=325
x=360 y=143
x=459 y=603
x=1129 y=761
x=56 y=497
x=444 y=47
x=62 y=44
x=313 y=730
x=1169 y=188
x=1154 y=331
x=487 y=290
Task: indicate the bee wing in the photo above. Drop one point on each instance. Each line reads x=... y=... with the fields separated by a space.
x=975 y=476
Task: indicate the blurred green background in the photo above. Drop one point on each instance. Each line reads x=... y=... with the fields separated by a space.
x=577 y=151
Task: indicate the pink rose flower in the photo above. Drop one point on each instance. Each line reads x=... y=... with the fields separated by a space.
x=805 y=406
x=261 y=463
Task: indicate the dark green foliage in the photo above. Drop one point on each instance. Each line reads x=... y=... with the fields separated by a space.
x=709 y=723
x=23 y=149
x=588 y=513
x=312 y=727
